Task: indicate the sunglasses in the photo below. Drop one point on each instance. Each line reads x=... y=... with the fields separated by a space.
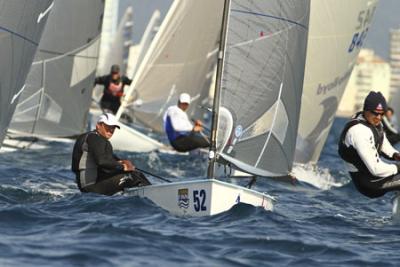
x=377 y=113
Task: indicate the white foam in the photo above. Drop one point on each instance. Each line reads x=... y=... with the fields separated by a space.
x=396 y=207
x=55 y=189
x=315 y=176
x=7 y=149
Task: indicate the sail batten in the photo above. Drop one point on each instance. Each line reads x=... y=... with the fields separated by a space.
x=262 y=84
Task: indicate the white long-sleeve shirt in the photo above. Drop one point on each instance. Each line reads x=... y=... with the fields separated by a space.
x=361 y=138
x=179 y=119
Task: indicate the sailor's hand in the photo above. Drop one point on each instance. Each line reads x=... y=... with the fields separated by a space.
x=198 y=123
x=396 y=156
x=197 y=128
x=128 y=166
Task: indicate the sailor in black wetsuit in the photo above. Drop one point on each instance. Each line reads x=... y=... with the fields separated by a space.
x=97 y=169
x=390 y=130
x=362 y=145
x=113 y=89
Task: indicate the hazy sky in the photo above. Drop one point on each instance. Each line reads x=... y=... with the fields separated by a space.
x=387 y=17
x=142 y=11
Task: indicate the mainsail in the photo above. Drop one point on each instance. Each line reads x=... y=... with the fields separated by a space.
x=337 y=31
x=179 y=60
x=59 y=87
x=21 y=26
x=261 y=84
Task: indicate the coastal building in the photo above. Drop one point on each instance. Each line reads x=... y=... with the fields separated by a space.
x=395 y=61
x=370 y=73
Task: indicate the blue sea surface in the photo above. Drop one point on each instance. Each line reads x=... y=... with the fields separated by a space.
x=46 y=221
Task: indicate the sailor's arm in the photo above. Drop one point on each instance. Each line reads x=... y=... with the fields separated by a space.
x=97 y=148
x=100 y=80
x=126 y=80
x=362 y=139
x=387 y=148
x=180 y=122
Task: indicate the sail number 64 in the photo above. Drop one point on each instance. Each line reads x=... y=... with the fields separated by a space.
x=199 y=200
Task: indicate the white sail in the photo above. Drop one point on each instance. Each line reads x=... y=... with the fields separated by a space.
x=21 y=26
x=59 y=87
x=337 y=31
x=121 y=42
x=179 y=60
x=261 y=86
x=138 y=52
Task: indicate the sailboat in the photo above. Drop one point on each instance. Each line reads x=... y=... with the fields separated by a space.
x=58 y=91
x=178 y=60
x=255 y=109
x=336 y=36
x=127 y=138
x=21 y=27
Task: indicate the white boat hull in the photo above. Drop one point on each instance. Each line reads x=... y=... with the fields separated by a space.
x=128 y=139
x=201 y=197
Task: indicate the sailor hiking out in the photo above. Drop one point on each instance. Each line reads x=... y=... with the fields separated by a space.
x=363 y=145
x=113 y=89
x=96 y=167
x=182 y=135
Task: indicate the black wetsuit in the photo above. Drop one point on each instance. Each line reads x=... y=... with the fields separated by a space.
x=190 y=142
x=112 y=92
x=365 y=182
x=109 y=170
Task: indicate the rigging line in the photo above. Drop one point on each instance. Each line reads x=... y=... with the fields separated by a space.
x=93 y=42
x=19 y=35
x=154 y=175
x=269 y=16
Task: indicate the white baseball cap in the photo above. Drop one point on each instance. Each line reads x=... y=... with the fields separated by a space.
x=184 y=98
x=109 y=119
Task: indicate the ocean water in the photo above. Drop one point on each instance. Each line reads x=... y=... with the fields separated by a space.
x=46 y=221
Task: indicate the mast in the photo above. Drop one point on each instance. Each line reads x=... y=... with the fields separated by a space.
x=214 y=124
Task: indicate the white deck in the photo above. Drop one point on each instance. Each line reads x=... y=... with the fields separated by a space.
x=201 y=197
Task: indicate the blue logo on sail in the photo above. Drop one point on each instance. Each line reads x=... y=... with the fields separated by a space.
x=183 y=198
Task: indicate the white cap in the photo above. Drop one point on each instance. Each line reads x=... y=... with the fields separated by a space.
x=109 y=119
x=184 y=98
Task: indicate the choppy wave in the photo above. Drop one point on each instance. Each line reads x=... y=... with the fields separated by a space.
x=46 y=221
